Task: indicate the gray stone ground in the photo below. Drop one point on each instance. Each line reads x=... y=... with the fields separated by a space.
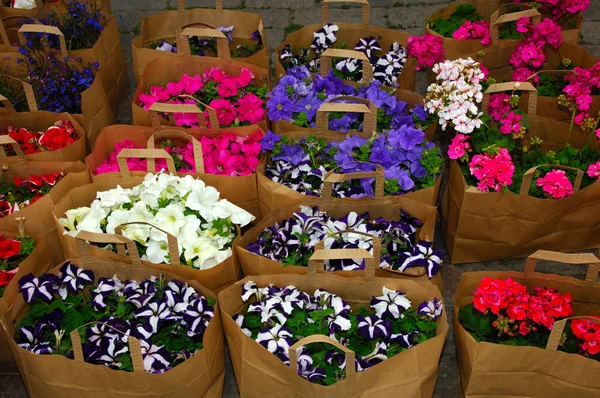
x=278 y=14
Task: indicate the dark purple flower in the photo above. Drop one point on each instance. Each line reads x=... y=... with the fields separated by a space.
x=29 y=339
x=42 y=287
x=293 y=154
x=156 y=359
x=406 y=137
x=154 y=313
x=392 y=303
x=433 y=309
x=372 y=327
x=424 y=255
x=269 y=140
x=419 y=112
x=280 y=107
x=197 y=316
x=381 y=156
x=71 y=279
x=277 y=339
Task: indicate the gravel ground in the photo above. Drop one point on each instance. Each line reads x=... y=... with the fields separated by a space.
x=277 y=14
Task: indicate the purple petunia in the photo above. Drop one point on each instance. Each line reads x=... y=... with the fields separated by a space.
x=433 y=309
x=373 y=327
x=42 y=287
x=392 y=303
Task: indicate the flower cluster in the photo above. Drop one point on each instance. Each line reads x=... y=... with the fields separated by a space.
x=168 y=317
x=577 y=94
x=387 y=66
x=453 y=98
x=292 y=241
x=589 y=333
x=227 y=154
x=409 y=161
x=463 y=24
x=208 y=47
x=556 y=184
x=56 y=137
x=182 y=206
x=238 y=100
x=12 y=253
x=23 y=192
x=279 y=317
x=25 y=4
x=298 y=96
x=493 y=169
x=427 y=50
x=558 y=10
x=474 y=30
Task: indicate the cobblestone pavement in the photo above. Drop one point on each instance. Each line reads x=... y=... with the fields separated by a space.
x=278 y=15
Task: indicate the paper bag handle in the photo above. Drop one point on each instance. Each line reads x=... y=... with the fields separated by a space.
x=135 y=349
x=496 y=19
x=364 y=106
x=166 y=134
x=366 y=8
x=159 y=107
x=181 y=5
x=565 y=258
x=48 y=30
x=328 y=55
x=319 y=338
x=7 y=140
x=4 y=34
x=171 y=240
x=29 y=96
x=222 y=43
x=143 y=154
x=547 y=71
x=331 y=178
x=557 y=331
x=510 y=86
x=528 y=178
x=120 y=241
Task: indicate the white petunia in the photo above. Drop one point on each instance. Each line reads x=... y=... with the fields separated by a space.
x=226 y=209
x=157 y=252
x=74 y=216
x=171 y=218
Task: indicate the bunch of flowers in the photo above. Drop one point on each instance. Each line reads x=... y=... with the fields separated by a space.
x=298 y=96
x=56 y=137
x=228 y=155
x=410 y=162
x=495 y=156
x=561 y=11
x=182 y=206
x=577 y=94
x=278 y=317
x=203 y=47
x=463 y=24
x=25 y=4
x=238 y=100
x=292 y=241
x=168 y=317
x=426 y=50
x=17 y=194
x=387 y=66
x=454 y=97
x=504 y=312
x=12 y=253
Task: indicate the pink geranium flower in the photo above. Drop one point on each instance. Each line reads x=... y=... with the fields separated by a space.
x=250 y=109
x=225 y=111
x=511 y=123
x=556 y=184
x=458 y=146
x=493 y=171
x=228 y=88
x=593 y=170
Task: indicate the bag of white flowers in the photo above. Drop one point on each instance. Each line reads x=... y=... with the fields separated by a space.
x=530 y=334
x=94 y=327
x=200 y=32
x=399 y=235
x=326 y=336
x=225 y=159
x=179 y=224
x=22 y=254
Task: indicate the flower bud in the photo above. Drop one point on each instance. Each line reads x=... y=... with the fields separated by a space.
x=21 y=226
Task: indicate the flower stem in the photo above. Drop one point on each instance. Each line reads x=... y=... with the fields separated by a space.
x=570 y=128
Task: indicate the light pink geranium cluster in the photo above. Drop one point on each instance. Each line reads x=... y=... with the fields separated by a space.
x=227 y=154
x=458 y=146
x=558 y=9
x=474 y=30
x=426 y=49
x=529 y=55
x=578 y=93
x=494 y=171
x=556 y=184
x=236 y=99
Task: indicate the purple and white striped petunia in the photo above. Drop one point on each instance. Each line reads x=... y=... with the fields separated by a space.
x=42 y=287
x=268 y=310
x=405 y=340
x=392 y=304
x=29 y=339
x=105 y=287
x=239 y=319
x=156 y=359
x=250 y=289
x=277 y=339
x=340 y=319
x=72 y=279
x=154 y=313
x=197 y=316
x=432 y=309
x=372 y=327
x=424 y=255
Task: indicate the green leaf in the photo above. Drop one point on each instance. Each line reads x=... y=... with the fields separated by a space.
x=475 y=321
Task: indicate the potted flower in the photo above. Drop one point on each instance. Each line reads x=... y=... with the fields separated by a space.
x=318 y=336
x=528 y=318
x=119 y=323
x=179 y=224
x=399 y=236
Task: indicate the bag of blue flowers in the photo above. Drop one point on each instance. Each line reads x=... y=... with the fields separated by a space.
x=202 y=32
x=318 y=335
x=97 y=327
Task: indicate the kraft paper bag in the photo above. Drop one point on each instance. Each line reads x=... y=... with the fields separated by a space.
x=215 y=279
x=253 y=264
x=42 y=9
x=169 y=24
x=350 y=34
x=58 y=376
x=38 y=262
x=497 y=370
x=483 y=226
x=259 y=373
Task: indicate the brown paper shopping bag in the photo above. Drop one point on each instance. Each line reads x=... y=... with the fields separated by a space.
x=42 y=9
x=167 y=25
x=497 y=370
x=350 y=34
x=216 y=278
x=482 y=226
x=253 y=264
x=39 y=261
x=38 y=216
x=259 y=373
x=58 y=376
x=240 y=190
x=162 y=71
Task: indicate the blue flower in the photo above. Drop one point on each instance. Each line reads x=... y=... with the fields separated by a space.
x=269 y=140
x=280 y=107
x=293 y=154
